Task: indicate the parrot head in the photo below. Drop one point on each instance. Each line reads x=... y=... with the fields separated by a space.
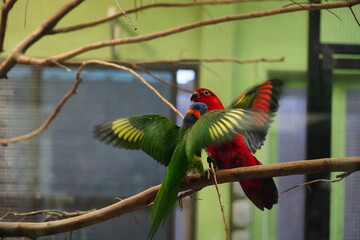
x=208 y=97
x=195 y=111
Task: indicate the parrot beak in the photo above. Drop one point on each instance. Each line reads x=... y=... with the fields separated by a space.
x=194 y=96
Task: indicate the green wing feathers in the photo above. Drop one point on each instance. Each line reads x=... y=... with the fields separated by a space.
x=154 y=134
x=220 y=126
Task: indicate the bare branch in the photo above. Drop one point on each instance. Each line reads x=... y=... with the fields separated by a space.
x=73 y=90
x=141 y=8
x=209 y=60
x=141 y=38
x=51 y=214
x=7 y=6
x=126 y=16
x=161 y=80
x=354 y=15
x=41 y=31
x=17 y=54
x=47 y=122
x=339 y=178
x=22 y=59
x=194 y=181
x=136 y=75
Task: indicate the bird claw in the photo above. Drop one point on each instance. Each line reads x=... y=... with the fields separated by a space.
x=208 y=173
x=215 y=162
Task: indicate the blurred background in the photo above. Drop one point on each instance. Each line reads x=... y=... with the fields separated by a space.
x=65 y=168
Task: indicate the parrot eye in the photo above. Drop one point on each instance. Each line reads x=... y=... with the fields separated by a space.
x=206 y=109
x=206 y=93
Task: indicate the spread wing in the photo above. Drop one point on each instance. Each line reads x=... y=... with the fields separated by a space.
x=220 y=126
x=154 y=134
x=265 y=98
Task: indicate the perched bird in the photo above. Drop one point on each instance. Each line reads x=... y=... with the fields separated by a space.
x=239 y=151
x=178 y=148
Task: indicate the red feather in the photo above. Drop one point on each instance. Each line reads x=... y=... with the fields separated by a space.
x=262 y=192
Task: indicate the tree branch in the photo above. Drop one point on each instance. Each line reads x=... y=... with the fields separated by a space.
x=197 y=60
x=146 y=37
x=142 y=80
x=21 y=58
x=4 y=16
x=47 y=122
x=41 y=31
x=141 y=8
x=194 y=182
x=73 y=90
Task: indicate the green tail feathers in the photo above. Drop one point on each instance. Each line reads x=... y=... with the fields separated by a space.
x=163 y=204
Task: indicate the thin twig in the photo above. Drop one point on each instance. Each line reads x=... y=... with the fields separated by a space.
x=220 y=201
x=338 y=179
x=60 y=65
x=54 y=213
x=142 y=80
x=135 y=66
x=209 y=60
x=49 y=62
x=354 y=15
x=25 y=12
x=127 y=16
x=141 y=8
x=47 y=122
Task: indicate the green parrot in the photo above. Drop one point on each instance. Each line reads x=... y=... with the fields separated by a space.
x=178 y=148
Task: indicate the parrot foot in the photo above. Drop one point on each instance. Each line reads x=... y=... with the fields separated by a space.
x=181 y=196
x=208 y=173
x=216 y=163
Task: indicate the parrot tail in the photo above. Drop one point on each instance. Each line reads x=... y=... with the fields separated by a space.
x=262 y=192
x=163 y=204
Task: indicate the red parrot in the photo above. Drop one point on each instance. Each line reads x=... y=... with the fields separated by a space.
x=239 y=152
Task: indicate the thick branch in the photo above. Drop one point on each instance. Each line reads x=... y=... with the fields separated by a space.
x=41 y=31
x=195 y=181
x=4 y=16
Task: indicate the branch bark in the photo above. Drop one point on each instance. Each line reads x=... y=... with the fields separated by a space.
x=4 y=16
x=194 y=182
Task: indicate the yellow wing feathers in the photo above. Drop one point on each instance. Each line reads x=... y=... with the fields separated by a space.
x=150 y=133
x=126 y=131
